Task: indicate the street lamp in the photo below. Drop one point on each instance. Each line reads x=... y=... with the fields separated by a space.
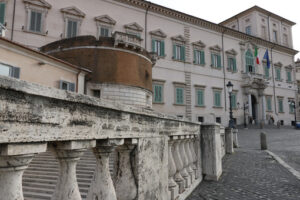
x=293 y=104
x=230 y=87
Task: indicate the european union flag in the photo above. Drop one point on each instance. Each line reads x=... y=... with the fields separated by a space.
x=266 y=56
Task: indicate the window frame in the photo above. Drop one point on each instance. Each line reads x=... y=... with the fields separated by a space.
x=181 y=53
x=276 y=75
x=291 y=108
x=14 y=72
x=280 y=101
x=4 y=13
x=71 y=87
x=202 y=89
x=216 y=60
x=234 y=103
x=109 y=30
x=182 y=87
x=249 y=57
x=198 y=56
x=275 y=36
x=231 y=66
x=266 y=75
x=214 y=98
x=248 y=30
x=67 y=26
x=269 y=100
x=289 y=78
x=160 y=84
x=161 y=52
x=34 y=30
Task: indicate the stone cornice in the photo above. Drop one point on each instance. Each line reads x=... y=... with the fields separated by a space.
x=205 y=24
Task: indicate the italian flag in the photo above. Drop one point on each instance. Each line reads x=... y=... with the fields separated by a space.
x=256 y=55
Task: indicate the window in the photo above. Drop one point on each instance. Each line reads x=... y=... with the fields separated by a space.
x=275 y=39
x=217 y=98
x=291 y=106
x=248 y=30
x=278 y=74
x=269 y=103
x=218 y=120
x=216 y=60
x=288 y=76
x=200 y=97
x=249 y=62
x=231 y=64
x=7 y=70
x=200 y=119
x=264 y=32
x=285 y=39
x=199 y=57
x=158 y=93
x=105 y=31
x=280 y=105
x=97 y=93
x=35 y=21
x=267 y=71
x=2 y=12
x=72 y=28
x=158 y=46
x=179 y=95
x=233 y=100
x=179 y=52
x=64 y=85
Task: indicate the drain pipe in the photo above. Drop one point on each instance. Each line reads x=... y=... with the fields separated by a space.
x=224 y=79
x=273 y=79
x=13 y=22
x=146 y=23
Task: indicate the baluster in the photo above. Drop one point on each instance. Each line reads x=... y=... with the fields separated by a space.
x=173 y=187
x=189 y=158
x=14 y=159
x=196 y=145
x=68 y=154
x=126 y=188
x=102 y=187
x=183 y=156
x=194 y=155
x=179 y=165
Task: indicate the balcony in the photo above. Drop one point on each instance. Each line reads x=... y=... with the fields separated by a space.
x=129 y=40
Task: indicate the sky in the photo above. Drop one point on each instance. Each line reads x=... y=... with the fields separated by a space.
x=218 y=10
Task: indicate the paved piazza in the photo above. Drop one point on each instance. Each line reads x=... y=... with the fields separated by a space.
x=251 y=174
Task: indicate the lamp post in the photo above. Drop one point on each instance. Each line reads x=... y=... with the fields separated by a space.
x=230 y=87
x=293 y=104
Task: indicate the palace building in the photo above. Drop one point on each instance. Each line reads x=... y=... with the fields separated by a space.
x=195 y=59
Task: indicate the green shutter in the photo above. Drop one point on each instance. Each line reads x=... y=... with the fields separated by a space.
x=202 y=58
x=278 y=74
x=233 y=100
x=162 y=48
x=157 y=93
x=269 y=104
x=217 y=99
x=200 y=97
x=219 y=61
x=195 y=54
x=32 y=20
x=174 y=51
x=212 y=60
x=234 y=64
x=289 y=77
x=182 y=49
x=267 y=74
x=280 y=105
x=2 y=13
x=179 y=95
x=153 y=45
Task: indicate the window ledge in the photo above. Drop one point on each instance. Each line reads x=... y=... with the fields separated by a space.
x=269 y=111
x=182 y=61
x=176 y=104
x=281 y=112
x=162 y=103
x=289 y=82
x=292 y=113
x=202 y=65
x=217 y=68
x=279 y=80
x=37 y=33
x=220 y=107
x=200 y=106
x=233 y=72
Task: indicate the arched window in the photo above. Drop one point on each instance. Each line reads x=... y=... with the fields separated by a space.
x=249 y=62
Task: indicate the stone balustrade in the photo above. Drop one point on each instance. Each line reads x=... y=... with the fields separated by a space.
x=159 y=157
x=128 y=40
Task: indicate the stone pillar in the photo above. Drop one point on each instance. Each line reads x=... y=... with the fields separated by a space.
x=189 y=158
x=263 y=102
x=14 y=159
x=229 y=141
x=102 y=187
x=173 y=187
x=249 y=106
x=197 y=146
x=68 y=154
x=183 y=155
x=126 y=188
x=194 y=156
x=211 y=151
x=179 y=165
x=235 y=138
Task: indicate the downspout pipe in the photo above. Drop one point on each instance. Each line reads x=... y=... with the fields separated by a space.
x=274 y=92
x=224 y=73
x=146 y=23
x=13 y=22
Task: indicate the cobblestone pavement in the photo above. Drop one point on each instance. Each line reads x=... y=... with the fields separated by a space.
x=251 y=174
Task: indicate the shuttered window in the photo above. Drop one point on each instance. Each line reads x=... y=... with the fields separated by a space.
x=179 y=96
x=178 y=52
x=233 y=100
x=267 y=71
x=158 y=93
x=200 y=97
x=35 y=21
x=217 y=98
x=216 y=60
x=289 y=76
x=72 y=28
x=232 y=64
x=249 y=62
x=158 y=46
x=278 y=73
x=280 y=105
x=104 y=32
x=64 y=85
x=8 y=70
x=199 y=57
x=269 y=103
x=2 y=12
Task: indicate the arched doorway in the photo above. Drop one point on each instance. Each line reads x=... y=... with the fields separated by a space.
x=254 y=107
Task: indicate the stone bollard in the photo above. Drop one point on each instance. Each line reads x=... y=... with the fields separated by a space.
x=261 y=125
x=229 y=141
x=263 y=141
x=235 y=138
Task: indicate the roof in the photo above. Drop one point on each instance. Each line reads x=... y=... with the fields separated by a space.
x=259 y=9
x=45 y=55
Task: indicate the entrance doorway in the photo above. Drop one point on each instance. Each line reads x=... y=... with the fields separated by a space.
x=254 y=106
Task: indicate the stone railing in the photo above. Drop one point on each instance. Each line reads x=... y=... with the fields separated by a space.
x=128 y=40
x=159 y=157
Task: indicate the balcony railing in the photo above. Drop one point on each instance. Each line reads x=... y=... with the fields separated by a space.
x=128 y=40
x=158 y=155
